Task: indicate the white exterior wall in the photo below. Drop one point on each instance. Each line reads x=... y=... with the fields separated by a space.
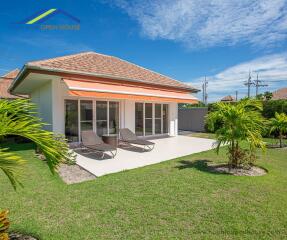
x=42 y=97
x=173 y=119
x=50 y=101
x=129 y=115
x=58 y=106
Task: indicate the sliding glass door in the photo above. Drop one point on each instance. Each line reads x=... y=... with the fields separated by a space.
x=86 y=115
x=107 y=117
x=79 y=116
x=101 y=118
x=151 y=118
x=164 y=118
x=148 y=119
x=157 y=118
x=71 y=120
x=139 y=119
x=114 y=112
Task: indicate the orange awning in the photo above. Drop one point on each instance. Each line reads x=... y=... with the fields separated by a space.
x=116 y=91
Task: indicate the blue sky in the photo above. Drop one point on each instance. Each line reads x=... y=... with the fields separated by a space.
x=184 y=39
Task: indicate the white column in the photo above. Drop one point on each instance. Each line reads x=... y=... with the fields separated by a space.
x=173 y=119
x=58 y=108
x=129 y=115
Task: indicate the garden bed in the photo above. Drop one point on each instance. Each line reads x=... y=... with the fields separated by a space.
x=19 y=236
x=74 y=174
x=252 y=171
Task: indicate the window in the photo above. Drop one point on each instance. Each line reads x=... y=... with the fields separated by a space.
x=139 y=119
x=86 y=115
x=157 y=119
x=148 y=119
x=71 y=120
x=102 y=117
x=113 y=117
x=151 y=118
x=79 y=116
x=165 y=118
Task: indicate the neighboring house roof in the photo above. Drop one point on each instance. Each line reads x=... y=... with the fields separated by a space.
x=106 y=66
x=5 y=82
x=228 y=98
x=280 y=94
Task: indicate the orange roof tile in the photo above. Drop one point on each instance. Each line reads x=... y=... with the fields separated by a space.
x=228 y=98
x=280 y=94
x=108 y=66
x=5 y=82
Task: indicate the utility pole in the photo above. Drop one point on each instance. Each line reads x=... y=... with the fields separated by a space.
x=236 y=96
x=203 y=93
x=204 y=87
x=258 y=83
x=248 y=84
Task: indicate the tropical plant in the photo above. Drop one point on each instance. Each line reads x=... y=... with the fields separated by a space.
x=268 y=95
x=4 y=225
x=238 y=122
x=278 y=124
x=19 y=118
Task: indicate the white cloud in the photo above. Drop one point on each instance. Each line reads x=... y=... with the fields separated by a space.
x=207 y=23
x=272 y=69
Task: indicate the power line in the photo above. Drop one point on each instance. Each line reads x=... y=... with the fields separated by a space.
x=258 y=83
x=249 y=83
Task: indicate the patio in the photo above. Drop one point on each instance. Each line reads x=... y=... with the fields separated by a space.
x=130 y=158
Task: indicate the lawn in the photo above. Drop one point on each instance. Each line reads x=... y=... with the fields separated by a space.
x=177 y=199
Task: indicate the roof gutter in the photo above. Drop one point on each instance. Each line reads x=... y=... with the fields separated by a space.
x=26 y=67
x=20 y=74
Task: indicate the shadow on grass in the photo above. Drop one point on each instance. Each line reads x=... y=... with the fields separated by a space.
x=18 y=146
x=201 y=165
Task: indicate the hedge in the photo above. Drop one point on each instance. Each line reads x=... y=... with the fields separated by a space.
x=272 y=106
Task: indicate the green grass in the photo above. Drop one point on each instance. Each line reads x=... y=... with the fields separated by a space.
x=203 y=135
x=177 y=199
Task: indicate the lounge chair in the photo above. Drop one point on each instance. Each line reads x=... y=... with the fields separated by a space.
x=92 y=142
x=127 y=136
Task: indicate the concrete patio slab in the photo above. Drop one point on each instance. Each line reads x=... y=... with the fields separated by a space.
x=165 y=149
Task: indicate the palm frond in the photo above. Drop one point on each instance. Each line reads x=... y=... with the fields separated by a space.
x=11 y=165
x=19 y=117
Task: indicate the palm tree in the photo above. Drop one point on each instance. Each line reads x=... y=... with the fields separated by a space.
x=236 y=123
x=18 y=118
x=279 y=125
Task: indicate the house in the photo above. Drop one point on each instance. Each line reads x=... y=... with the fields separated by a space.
x=5 y=82
x=104 y=93
x=280 y=94
x=228 y=98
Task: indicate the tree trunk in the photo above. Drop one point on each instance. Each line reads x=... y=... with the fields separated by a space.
x=233 y=160
x=280 y=140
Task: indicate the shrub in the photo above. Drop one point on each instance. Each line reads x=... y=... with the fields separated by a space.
x=278 y=125
x=273 y=106
x=238 y=122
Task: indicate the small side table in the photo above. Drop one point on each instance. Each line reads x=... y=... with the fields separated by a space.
x=111 y=139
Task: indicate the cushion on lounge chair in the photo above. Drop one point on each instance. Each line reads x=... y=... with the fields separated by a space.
x=101 y=147
x=127 y=135
x=90 y=138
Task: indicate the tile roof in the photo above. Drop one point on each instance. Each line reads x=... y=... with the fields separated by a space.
x=280 y=94
x=5 y=82
x=100 y=64
x=228 y=98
